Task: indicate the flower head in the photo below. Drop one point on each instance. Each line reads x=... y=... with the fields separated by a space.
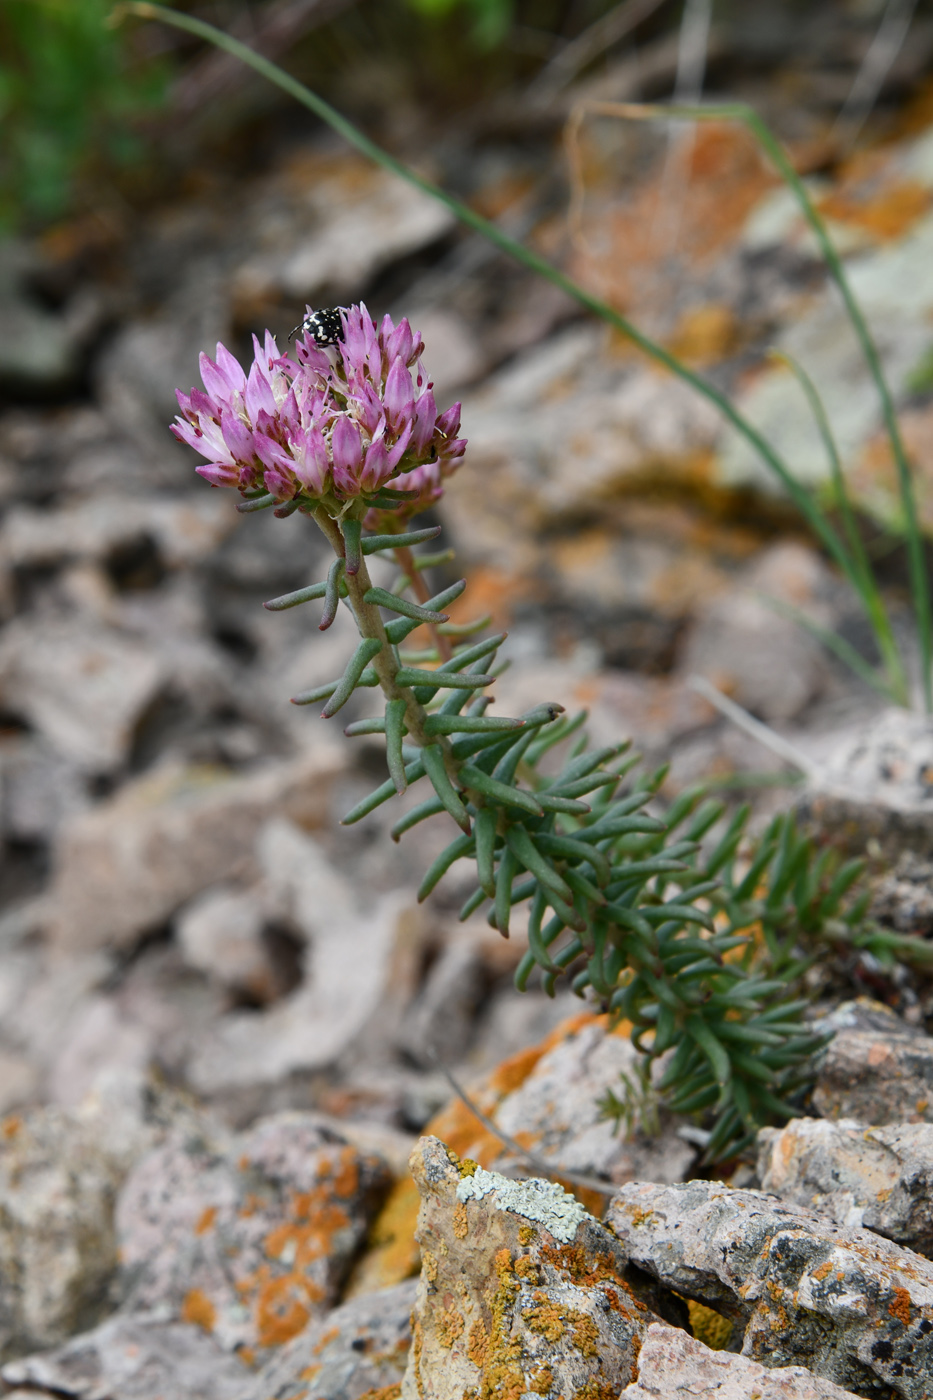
x=327 y=428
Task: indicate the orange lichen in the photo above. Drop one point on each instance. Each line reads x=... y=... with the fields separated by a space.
x=347 y=1180
x=823 y=1271
x=899 y=1306
x=392 y=1253
x=11 y=1126
x=545 y=1318
x=206 y=1222
x=478 y=1344
x=527 y=1269
x=385 y=1392
x=199 y=1310
x=450 y=1325
x=281 y=1311
x=460 y=1224
x=329 y=1336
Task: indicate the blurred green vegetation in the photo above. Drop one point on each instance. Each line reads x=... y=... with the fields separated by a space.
x=69 y=93
x=491 y=19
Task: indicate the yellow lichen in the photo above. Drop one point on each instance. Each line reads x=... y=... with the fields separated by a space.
x=460 y=1225
x=527 y=1235
x=478 y=1344
x=429 y=1266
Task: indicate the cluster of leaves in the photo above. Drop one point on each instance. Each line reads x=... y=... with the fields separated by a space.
x=67 y=96
x=696 y=941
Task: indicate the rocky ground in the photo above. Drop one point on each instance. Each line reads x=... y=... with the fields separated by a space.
x=221 y=1012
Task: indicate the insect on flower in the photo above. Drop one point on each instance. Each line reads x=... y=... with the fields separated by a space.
x=324 y=327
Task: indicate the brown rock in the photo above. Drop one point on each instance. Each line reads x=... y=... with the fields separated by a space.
x=852 y=1307
x=881 y=1178
x=877 y=1069
x=521 y=1289
x=674 y=1366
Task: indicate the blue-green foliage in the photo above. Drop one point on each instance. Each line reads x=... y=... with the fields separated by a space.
x=671 y=917
x=67 y=97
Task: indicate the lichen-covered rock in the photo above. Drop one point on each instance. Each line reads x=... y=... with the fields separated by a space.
x=58 y=1248
x=132 y=1358
x=881 y=1178
x=674 y=1366
x=852 y=1307
x=521 y=1290
x=250 y=1239
x=877 y=1069
x=360 y=1347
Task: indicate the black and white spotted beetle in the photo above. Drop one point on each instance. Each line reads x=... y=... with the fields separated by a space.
x=324 y=326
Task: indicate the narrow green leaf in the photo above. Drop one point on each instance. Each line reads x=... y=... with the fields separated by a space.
x=395 y=732
x=582 y=886
x=504 y=877
x=485 y=824
x=352 y=532
x=331 y=594
x=562 y=804
x=258 y=503
x=413 y=771
x=463 y=846
x=433 y=760
x=681 y=913
x=372 y=544
x=570 y=849
x=369 y=679
x=399 y=628
x=429 y=808
x=713 y=1049
x=500 y=793
x=376 y=725
x=367 y=649
x=292 y=600
x=527 y=853
x=381 y=598
x=470 y=724
x=442 y=680
x=471 y=905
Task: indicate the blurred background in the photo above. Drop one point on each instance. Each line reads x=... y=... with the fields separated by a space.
x=175 y=897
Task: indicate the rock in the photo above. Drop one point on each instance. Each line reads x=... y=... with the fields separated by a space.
x=359 y=1347
x=675 y=1366
x=129 y=863
x=881 y=1178
x=221 y=933
x=350 y=220
x=39 y=347
x=132 y=1358
x=350 y=1004
x=521 y=1289
x=852 y=1307
x=902 y=897
x=249 y=1238
x=768 y=663
x=547 y=1097
x=58 y=1250
x=99 y=528
x=877 y=1068
x=39 y=789
x=443 y=1012
x=82 y=688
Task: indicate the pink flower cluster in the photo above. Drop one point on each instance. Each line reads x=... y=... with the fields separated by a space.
x=326 y=428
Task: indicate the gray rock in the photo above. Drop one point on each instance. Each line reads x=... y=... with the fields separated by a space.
x=521 y=1290
x=675 y=1366
x=39 y=348
x=350 y=1005
x=82 y=688
x=881 y=1178
x=352 y=220
x=768 y=663
x=555 y=1111
x=443 y=1012
x=903 y=897
x=359 y=1347
x=132 y=1358
x=221 y=934
x=877 y=1069
x=251 y=1237
x=852 y=1307
x=129 y=863
x=58 y=1249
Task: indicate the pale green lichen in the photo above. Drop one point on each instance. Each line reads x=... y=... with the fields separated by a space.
x=536 y=1199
